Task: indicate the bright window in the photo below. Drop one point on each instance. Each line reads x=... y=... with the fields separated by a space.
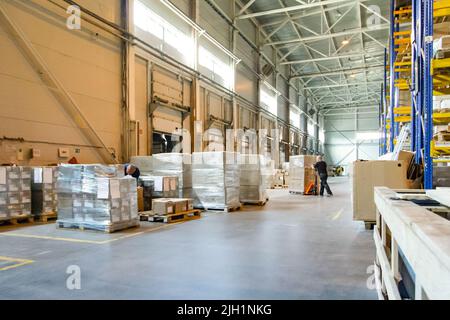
x=311 y=129
x=369 y=135
x=148 y=21
x=322 y=135
x=270 y=101
x=214 y=64
x=294 y=117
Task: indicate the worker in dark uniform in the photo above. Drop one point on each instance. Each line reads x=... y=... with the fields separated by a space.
x=321 y=168
x=131 y=170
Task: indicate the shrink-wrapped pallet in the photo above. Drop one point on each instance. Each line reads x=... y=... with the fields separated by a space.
x=216 y=180
x=144 y=163
x=43 y=190
x=96 y=197
x=256 y=175
x=15 y=192
x=301 y=173
x=177 y=165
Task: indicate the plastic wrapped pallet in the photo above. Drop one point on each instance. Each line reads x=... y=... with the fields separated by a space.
x=256 y=175
x=301 y=173
x=96 y=197
x=177 y=165
x=43 y=190
x=15 y=192
x=216 y=180
x=163 y=186
x=144 y=163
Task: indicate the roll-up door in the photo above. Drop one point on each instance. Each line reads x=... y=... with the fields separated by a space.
x=170 y=108
x=284 y=143
x=218 y=118
x=294 y=141
x=247 y=129
x=267 y=128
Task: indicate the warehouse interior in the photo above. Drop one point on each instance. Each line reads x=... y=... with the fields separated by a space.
x=172 y=149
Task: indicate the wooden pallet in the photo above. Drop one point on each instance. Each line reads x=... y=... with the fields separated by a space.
x=280 y=186
x=255 y=202
x=85 y=226
x=172 y=218
x=17 y=220
x=221 y=209
x=296 y=192
x=44 y=218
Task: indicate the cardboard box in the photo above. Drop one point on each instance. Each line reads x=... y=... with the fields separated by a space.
x=441 y=29
x=140 y=198
x=163 y=206
x=366 y=175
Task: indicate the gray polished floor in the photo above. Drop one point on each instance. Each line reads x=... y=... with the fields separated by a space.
x=293 y=248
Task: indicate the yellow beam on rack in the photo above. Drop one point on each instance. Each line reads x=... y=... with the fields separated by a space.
x=402 y=110
x=441 y=118
x=437 y=64
x=402 y=119
x=402 y=33
x=402 y=40
x=402 y=63
x=402 y=69
x=441 y=8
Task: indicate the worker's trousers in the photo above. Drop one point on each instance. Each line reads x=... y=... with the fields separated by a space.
x=324 y=184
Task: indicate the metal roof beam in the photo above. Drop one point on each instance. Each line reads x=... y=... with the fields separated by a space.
x=343 y=56
x=384 y=26
x=296 y=8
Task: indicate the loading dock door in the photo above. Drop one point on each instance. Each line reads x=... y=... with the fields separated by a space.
x=170 y=107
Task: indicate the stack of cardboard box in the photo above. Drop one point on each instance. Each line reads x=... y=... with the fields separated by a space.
x=15 y=192
x=176 y=165
x=96 y=197
x=301 y=173
x=43 y=190
x=365 y=175
x=216 y=180
x=256 y=172
x=166 y=206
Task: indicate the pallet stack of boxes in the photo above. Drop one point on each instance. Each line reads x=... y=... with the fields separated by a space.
x=256 y=175
x=15 y=193
x=43 y=191
x=175 y=165
x=301 y=173
x=96 y=197
x=167 y=206
x=216 y=180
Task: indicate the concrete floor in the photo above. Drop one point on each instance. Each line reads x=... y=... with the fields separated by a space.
x=293 y=248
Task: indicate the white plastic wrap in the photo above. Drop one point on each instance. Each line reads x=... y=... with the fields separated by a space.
x=255 y=178
x=144 y=163
x=177 y=165
x=15 y=192
x=43 y=190
x=216 y=180
x=96 y=197
x=301 y=172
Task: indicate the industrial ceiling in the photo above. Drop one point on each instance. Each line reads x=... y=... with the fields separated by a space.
x=335 y=47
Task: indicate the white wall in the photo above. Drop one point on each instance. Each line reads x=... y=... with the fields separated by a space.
x=341 y=144
x=86 y=62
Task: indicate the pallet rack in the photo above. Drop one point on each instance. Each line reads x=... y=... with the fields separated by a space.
x=412 y=69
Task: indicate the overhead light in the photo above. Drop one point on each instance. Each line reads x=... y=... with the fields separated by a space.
x=345 y=42
x=352 y=75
